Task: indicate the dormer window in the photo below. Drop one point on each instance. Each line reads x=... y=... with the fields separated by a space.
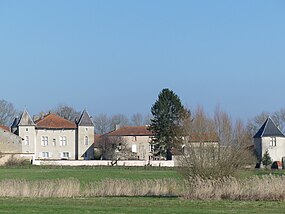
x=272 y=141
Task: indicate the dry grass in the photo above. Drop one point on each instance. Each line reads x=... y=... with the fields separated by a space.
x=72 y=188
x=145 y=187
x=265 y=188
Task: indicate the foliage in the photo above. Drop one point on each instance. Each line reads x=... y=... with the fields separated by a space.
x=266 y=159
x=12 y=161
x=167 y=123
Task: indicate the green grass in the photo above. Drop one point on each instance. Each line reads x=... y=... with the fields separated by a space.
x=86 y=174
x=134 y=205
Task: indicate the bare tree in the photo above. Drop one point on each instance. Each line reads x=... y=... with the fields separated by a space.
x=137 y=119
x=102 y=124
x=219 y=153
x=7 y=112
x=119 y=119
x=66 y=112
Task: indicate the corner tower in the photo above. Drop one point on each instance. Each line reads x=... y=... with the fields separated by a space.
x=85 y=137
x=26 y=130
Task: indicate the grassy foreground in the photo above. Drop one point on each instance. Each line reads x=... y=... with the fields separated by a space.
x=134 y=205
x=86 y=174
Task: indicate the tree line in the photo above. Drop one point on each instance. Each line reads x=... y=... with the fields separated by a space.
x=103 y=123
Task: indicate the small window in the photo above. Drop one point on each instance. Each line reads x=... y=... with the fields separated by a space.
x=27 y=141
x=45 y=154
x=134 y=148
x=150 y=147
x=134 y=138
x=272 y=141
x=86 y=141
x=27 y=129
x=44 y=140
x=54 y=142
x=65 y=155
x=63 y=141
x=86 y=129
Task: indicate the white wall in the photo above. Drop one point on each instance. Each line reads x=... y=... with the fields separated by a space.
x=275 y=152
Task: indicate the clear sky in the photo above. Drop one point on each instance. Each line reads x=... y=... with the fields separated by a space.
x=115 y=56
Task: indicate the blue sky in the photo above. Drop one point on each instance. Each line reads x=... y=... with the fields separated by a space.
x=116 y=56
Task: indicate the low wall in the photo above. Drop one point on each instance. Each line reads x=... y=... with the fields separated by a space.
x=103 y=163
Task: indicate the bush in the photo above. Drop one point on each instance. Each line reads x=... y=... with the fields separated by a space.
x=12 y=161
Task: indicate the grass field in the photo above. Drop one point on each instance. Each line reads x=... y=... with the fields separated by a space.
x=134 y=205
x=122 y=204
x=86 y=174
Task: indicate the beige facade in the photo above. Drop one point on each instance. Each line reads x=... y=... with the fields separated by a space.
x=85 y=142
x=10 y=143
x=140 y=146
x=53 y=137
x=55 y=144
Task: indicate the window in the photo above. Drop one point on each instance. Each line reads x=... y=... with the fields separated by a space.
x=65 y=155
x=27 y=141
x=54 y=142
x=272 y=141
x=134 y=138
x=45 y=154
x=27 y=129
x=62 y=141
x=150 y=147
x=134 y=148
x=86 y=140
x=44 y=140
x=86 y=129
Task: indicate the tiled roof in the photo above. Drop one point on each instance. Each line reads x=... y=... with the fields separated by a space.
x=96 y=138
x=5 y=128
x=204 y=137
x=131 y=131
x=269 y=129
x=85 y=119
x=53 y=121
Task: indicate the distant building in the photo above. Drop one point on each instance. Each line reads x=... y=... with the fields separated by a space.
x=270 y=138
x=53 y=137
x=137 y=138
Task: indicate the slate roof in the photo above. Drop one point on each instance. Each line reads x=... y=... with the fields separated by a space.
x=269 y=129
x=131 y=131
x=15 y=122
x=85 y=119
x=53 y=121
x=25 y=120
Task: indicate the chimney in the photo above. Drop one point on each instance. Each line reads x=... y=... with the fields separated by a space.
x=117 y=126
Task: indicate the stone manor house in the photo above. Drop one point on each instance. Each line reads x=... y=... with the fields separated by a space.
x=49 y=137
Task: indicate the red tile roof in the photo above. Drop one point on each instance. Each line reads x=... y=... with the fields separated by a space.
x=5 y=128
x=53 y=121
x=131 y=131
x=96 y=138
x=204 y=137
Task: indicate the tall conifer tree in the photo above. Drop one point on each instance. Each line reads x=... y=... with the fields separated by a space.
x=167 y=123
